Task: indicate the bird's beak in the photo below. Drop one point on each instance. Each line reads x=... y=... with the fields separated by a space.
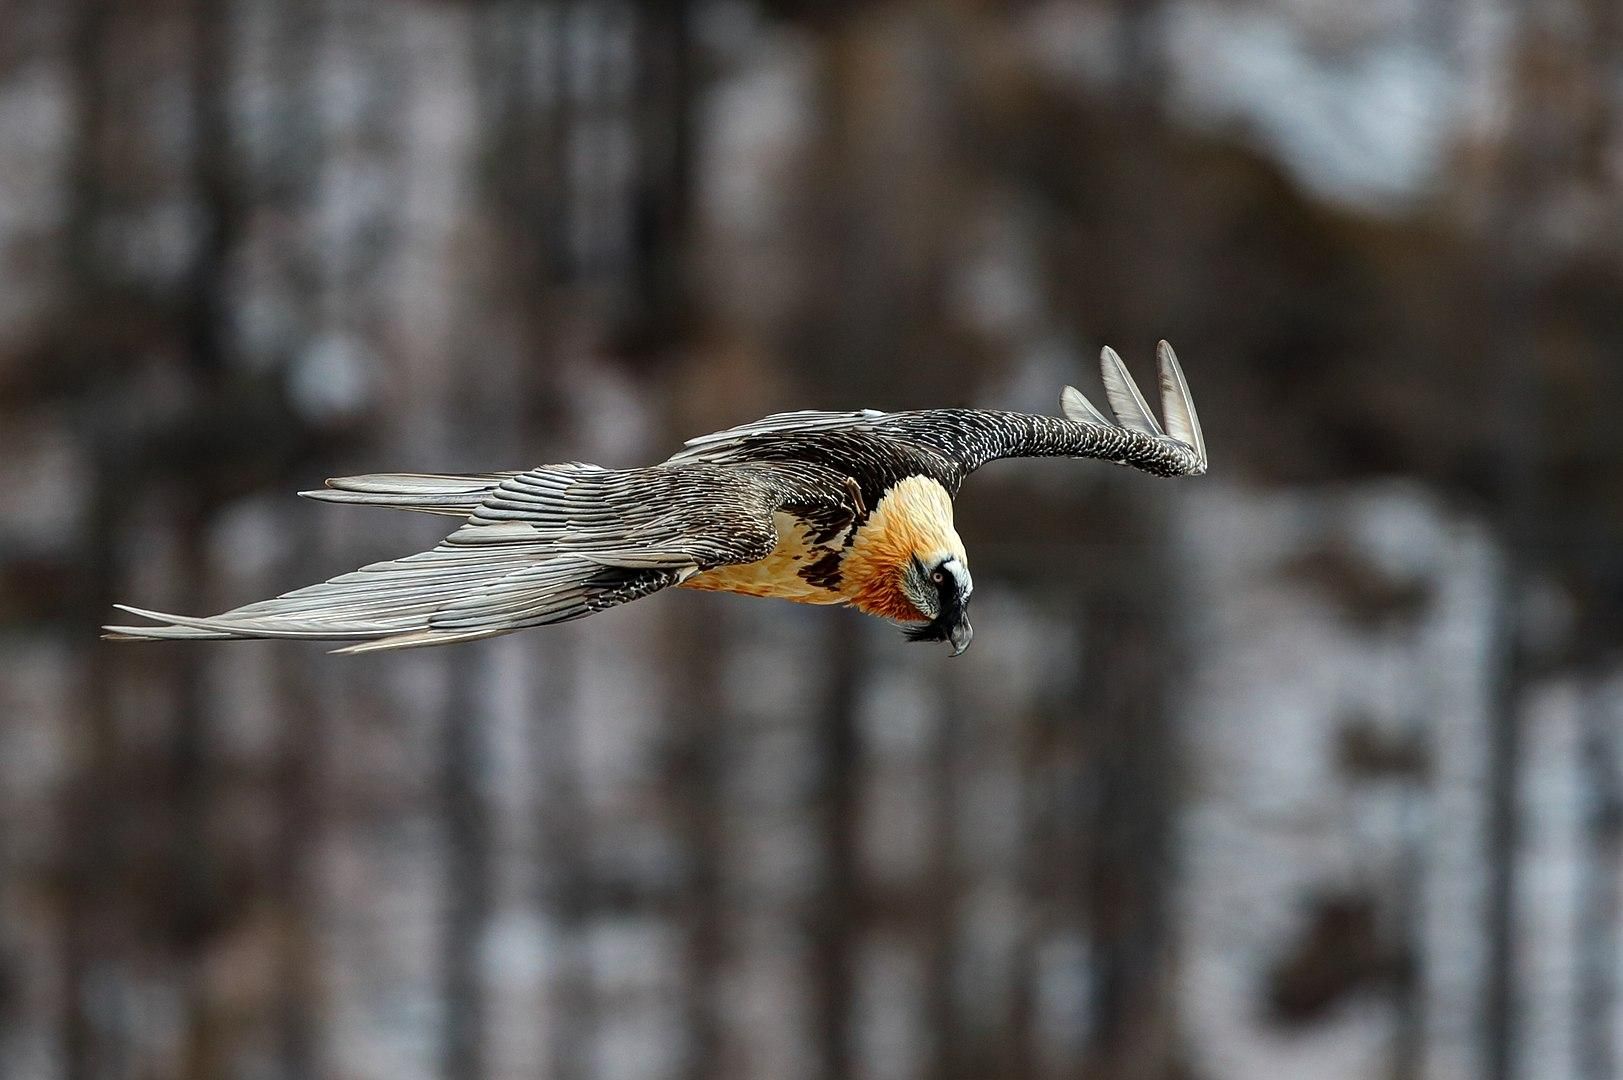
x=962 y=634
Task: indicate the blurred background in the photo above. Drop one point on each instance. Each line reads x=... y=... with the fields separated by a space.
x=1311 y=768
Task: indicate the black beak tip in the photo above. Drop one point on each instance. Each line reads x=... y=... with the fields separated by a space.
x=961 y=636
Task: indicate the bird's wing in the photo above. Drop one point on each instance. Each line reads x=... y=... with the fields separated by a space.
x=877 y=448
x=549 y=545
x=972 y=437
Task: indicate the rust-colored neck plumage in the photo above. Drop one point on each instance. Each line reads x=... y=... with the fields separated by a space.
x=914 y=518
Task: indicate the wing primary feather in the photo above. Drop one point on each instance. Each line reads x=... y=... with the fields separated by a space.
x=161 y=633
x=1078 y=408
x=1177 y=405
x=415 y=640
x=455 y=495
x=1123 y=394
x=417 y=483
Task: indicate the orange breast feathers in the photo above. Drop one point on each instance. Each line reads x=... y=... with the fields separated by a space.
x=914 y=518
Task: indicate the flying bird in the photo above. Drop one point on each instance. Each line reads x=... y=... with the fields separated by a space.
x=815 y=507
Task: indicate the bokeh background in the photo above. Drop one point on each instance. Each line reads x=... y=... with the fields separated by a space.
x=1311 y=768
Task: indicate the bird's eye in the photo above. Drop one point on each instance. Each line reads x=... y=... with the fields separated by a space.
x=938 y=577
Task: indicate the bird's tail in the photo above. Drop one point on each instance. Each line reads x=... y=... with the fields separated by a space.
x=455 y=495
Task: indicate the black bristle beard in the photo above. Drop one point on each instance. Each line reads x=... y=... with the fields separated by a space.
x=930 y=631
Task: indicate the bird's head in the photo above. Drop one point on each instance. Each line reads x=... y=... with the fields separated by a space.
x=907 y=563
x=939 y=586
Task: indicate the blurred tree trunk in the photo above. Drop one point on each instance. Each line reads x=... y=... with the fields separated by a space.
x=304 y=808
x=939 y=903
x=566 y=870
x=834 y=919
x=198 y=899
x=1600 y=941
x=304 y=815
x=467 y=866
x=1599 y=947
x=662 y=198
x=93 y=1031
x=1130 y=658
x=1141 y=52
x=699 y=735
x=1410 y=1004
x=1532 y=147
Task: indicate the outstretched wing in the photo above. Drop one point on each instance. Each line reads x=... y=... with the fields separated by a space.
x=972 y=437
x=545 y=546
x=878 y=448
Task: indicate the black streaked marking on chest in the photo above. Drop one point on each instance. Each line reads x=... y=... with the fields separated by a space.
x=824 y=572
x=827 y=523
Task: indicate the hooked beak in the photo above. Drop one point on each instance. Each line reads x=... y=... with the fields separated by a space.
x=951 y=621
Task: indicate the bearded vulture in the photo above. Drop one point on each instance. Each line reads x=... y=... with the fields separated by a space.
x=815 y=507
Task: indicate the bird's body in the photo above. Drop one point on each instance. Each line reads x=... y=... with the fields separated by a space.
x=851 y=566
x=813 y=507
